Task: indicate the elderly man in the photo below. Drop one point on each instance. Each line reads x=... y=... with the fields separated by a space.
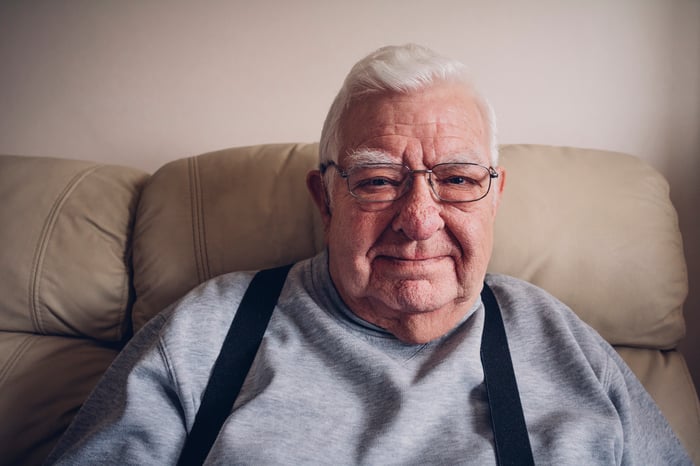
x=383 y=349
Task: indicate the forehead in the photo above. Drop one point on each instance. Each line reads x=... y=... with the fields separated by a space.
x=429 y=124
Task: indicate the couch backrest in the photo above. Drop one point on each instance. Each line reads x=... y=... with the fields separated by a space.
x=235 y=209
x=66 y=231
x=595 y=228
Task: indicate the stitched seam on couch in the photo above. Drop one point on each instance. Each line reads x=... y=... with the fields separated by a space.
x=13 y=358
x=40 y=252
x=198 y=231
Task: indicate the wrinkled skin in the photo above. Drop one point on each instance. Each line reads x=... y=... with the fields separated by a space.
x=415 y=266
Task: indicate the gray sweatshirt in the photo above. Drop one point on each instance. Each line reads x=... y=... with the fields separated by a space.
x=329 y=388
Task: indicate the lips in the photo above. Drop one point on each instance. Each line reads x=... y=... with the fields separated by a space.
x=409 y=265
x=410 y=259
x=414 y=255
x=413 y=258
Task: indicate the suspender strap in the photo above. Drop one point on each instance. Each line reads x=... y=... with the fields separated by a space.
x=507 y=419
x=233 y=363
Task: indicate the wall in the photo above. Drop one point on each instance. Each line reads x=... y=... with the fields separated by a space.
x=144 y=82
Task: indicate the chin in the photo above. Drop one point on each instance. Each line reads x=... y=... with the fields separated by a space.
x=419 y=297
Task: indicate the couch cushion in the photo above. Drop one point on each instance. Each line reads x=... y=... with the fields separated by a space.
x=43 y=381
x=66 y=228
x=597 y=230
x=236 y=209
x=594 y=228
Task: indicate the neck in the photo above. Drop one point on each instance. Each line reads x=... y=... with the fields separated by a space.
x=420 y=327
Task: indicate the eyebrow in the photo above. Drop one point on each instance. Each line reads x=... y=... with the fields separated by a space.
x=371 y=156
x=368 y=156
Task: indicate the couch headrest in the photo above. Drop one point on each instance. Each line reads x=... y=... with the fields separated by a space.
x=236 y=209
x=65 y=259
x=594 y=228
x=597 y=230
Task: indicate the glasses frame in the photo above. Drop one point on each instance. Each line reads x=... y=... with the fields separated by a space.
x=346 y=175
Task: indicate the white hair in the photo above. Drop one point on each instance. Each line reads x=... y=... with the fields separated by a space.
x=403 y=69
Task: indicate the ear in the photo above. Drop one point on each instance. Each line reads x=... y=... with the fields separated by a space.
x=499 y=186
x=317 y=189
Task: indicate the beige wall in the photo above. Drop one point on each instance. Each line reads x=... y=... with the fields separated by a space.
x=143 y=82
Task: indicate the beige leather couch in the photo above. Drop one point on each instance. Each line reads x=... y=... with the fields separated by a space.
x=91 y=252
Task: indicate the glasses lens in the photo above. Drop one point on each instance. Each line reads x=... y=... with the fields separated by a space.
x=377 y=183
x=461 y=182
x=452 y=182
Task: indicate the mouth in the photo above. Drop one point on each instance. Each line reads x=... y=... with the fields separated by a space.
x=409 y=262
x=416 y=255
x=409 y=259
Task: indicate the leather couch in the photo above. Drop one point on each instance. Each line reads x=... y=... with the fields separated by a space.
x=90 y=252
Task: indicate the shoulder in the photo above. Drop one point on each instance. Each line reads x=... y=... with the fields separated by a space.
x=195 y=324
x=204 y=314
x=560 y=360
x=542 y=326
x=545 y=334
x=522 y=302
x=213 y=294
x=515 y=290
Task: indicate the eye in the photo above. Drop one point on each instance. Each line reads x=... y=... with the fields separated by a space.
x=375 y=177
x=376 y=182
x=460 y=176
x=459 y=180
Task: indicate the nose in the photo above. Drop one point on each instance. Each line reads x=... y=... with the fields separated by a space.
x=419 y=211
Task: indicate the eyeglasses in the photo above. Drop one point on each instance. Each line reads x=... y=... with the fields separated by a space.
x=386 y=182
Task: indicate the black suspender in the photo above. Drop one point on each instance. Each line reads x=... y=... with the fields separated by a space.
x=233 y=363
x=507 y=420
x=246 y=332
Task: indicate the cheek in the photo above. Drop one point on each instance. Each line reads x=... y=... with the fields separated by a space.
x=352 y=233
x=474 y=234
x=351 y=236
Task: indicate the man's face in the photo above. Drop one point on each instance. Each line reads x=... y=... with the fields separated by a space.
x=414 y=266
